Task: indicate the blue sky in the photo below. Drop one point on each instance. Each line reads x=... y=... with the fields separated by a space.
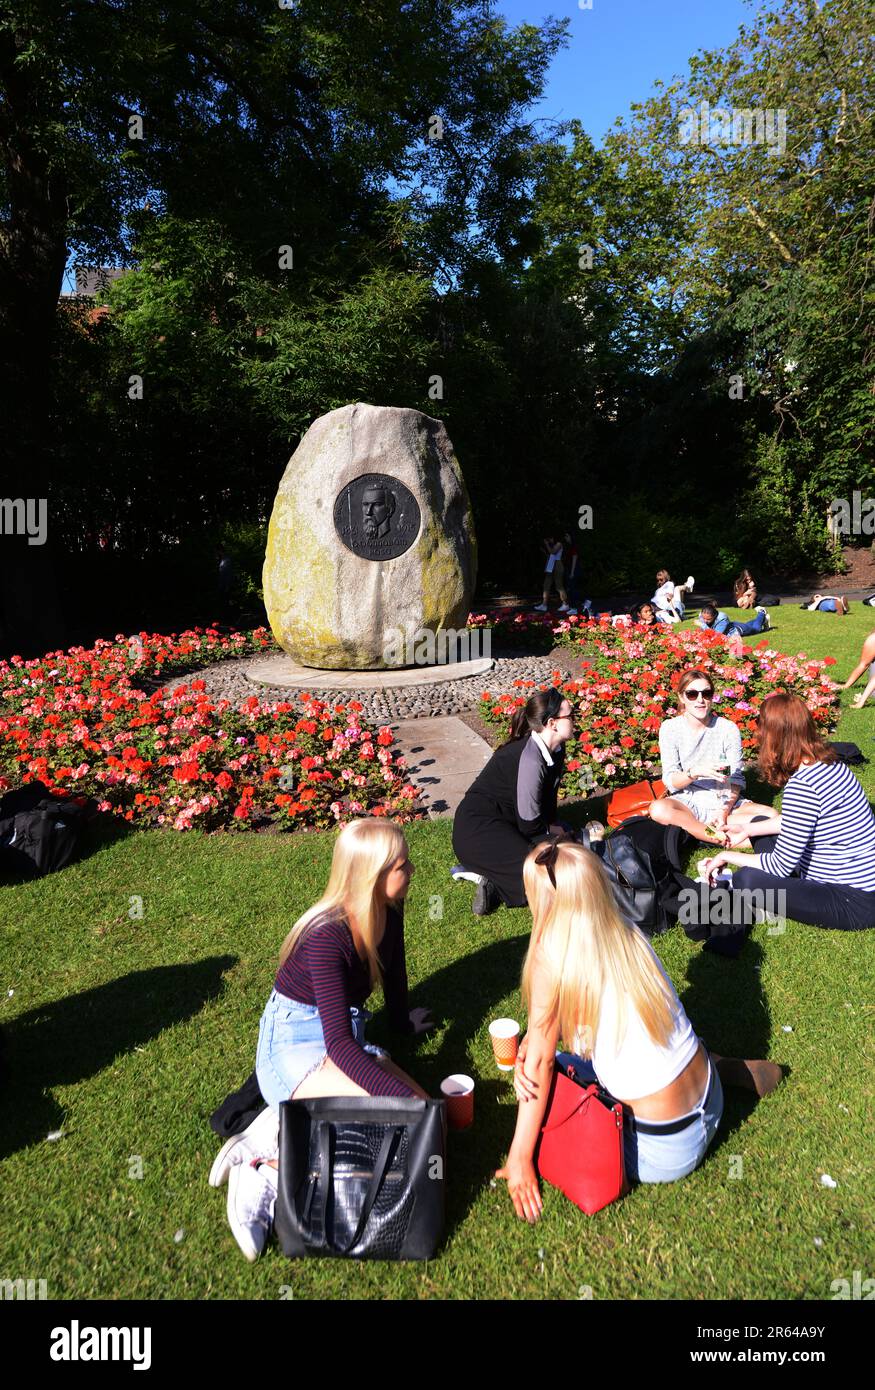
x=619 y=47
x=615 y=52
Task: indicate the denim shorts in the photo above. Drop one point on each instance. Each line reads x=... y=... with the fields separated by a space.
x=704 y=803
x=664 y=1157
x=291 y=1045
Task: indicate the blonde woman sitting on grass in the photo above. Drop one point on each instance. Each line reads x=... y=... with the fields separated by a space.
x=594 y=980
x=311 y=1040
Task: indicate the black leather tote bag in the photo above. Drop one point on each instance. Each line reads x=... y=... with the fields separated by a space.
x=633 y=882
x=361 y=1177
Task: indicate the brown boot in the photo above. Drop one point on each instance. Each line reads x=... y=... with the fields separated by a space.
x=760 y=1076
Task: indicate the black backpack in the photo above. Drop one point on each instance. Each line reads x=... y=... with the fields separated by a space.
x=850 y=753
x=39 y=832
x=642 y=860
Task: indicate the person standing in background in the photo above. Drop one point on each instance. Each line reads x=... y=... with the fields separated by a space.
x=571 y=561
x=554 y=573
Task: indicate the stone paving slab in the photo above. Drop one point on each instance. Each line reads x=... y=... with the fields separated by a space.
x=443 y=756
x=283 y=671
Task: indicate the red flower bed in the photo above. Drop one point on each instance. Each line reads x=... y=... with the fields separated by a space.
x=75 y=721
x=629 y=689
x=514 y=629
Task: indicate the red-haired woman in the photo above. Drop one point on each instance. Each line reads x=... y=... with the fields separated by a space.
x=820 y=850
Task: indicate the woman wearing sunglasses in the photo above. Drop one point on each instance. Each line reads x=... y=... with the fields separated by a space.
x=702 y=770
x=512 y=804
x=593 y=980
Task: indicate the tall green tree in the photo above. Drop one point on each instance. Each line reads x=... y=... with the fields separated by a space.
x=767 y=148
x=275 y=126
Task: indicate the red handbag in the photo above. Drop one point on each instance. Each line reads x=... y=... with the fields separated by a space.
x=636 y=800
x=580 y=1149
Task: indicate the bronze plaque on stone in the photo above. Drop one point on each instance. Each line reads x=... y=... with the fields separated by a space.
x=376 y=517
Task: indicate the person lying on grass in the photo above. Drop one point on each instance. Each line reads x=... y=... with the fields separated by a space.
x=827 y=603
x=712 y=619
x=311 y=1039
x=593 y=980
x=702 y=767
x=644 y=614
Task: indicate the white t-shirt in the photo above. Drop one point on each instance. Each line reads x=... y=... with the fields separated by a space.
x=640 y=1066
x=664 y=596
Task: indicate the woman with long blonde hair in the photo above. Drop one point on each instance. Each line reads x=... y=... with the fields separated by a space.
x=593 y=980
x=311 y=1039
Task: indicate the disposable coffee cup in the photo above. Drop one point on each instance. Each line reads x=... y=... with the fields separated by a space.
x=505 y=1035
x=458 y=1092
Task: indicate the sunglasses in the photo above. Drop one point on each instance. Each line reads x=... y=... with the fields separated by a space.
x=694 y=693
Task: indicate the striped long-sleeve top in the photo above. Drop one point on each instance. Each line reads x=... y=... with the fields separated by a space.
x=325 y=969
x=827 y=829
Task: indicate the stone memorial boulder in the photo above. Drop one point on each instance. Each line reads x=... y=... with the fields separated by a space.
x=371 y=537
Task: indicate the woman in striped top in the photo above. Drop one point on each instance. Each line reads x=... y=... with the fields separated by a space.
x=820 y=850
x=311 y=1039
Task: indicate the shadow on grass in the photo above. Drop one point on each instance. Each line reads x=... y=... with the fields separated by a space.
x=466 y=995
x=67 y=1040
x=726 y=1005
x=724 y=1000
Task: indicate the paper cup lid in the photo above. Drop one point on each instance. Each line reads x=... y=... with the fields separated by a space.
x=504 y=1027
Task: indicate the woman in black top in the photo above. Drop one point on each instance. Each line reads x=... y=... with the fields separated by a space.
x=512 y=804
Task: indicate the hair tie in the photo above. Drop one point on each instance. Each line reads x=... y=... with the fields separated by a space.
x=547 y=857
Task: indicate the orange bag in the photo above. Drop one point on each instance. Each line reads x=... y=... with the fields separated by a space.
x=636 y=800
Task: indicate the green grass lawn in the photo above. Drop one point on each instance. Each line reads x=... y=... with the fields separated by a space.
x=124 y=1033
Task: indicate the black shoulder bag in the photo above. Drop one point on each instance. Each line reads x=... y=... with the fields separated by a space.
x=361 y=1177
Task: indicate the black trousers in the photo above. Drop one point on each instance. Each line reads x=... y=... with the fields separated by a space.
x=492 y=847
x=819 y=904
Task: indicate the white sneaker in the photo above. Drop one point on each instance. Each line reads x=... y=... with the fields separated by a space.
x=234 y=1150
x=690 y=584
x=760 y=609
x=458 y=871
x=540 y=608
x=259 y=1140
x=251 y=1203
x=563 y=608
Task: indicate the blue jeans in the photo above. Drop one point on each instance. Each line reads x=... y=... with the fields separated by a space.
x=291 y=1045
x=663 y=1157
x=756 y=624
